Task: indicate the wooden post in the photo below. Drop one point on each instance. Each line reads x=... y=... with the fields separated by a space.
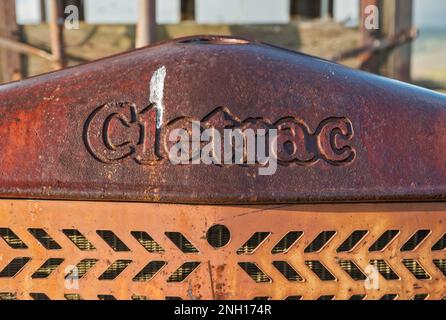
x=10 y=64
x=146 y=26
x=56 y=33
x=42 y=11
x=325 y=9
x=398 y=16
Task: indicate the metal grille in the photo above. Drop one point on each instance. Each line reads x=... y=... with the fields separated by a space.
x=103 y=250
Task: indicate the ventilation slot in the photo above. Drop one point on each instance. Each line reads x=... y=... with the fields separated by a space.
x=105 y=297
x=440 y=245
x=420 y=297
x=352 y=269
x=441 y=265
x=218 y=236
x=39 y=296
x=326 y=298
x=287 y=271
x=294 y=298
x=287 y=242
x=384 y=269
x=358 y=297
x=112 y=240
x=14 y=267
x=82 y=268
x=115 y=269
x=319 y=269
x=321 y=241
x=45 y=240
x=183 y=272
x=383 y=241
x=261 y=298
x=73 y=296
x=351 y=242
x=8 y=296
x=415 y=241
x=11 y=239
x=389 y=297
x=147 y=242
x=149 y=271
x=47 y=268
x=181 y=242
x=173 y=298
x=255 y=241
x=254 y=272
x=79 y=240
x=416 y=269
x=139 y=298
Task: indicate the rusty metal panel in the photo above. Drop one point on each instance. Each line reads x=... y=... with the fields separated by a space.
x=159 y=251
x=97 y=132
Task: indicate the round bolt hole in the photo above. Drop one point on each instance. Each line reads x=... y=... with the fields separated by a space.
x=218 y=236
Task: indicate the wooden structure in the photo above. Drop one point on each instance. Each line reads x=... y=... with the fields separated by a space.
x=9 y=30
x=146 y=25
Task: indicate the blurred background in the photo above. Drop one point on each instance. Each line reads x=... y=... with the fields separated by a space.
x=406 y=39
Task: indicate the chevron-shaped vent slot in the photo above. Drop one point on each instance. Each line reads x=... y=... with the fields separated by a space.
x=253 y=243
x=8 y=296
x=415 y=240
x=384 y=240
x=265 y=298
x=39 y=296
x=416 y=269
x=319 y=269
x=106 y=297
x=14 y=267
x=183 y=272
x=12 y=239
x=389 y=297
x=440 y=245
x=287 y=271
x=115 y=269
x=149 y=271
x=384 y=269
x=181 y=242
x=441 y=265
x=73 y=296
x=44 y=238
x=79 y=240
x=147 y=242
x=352 y=269
x=287 y=242
x=358 y=297
x=320 y=241
x=420 y=297
x=254 y=272
x=326 y=298
x=82 y=268
x=294 y=298
x=47 y=268
x=139 y=298
x=352 y=241
x=112 y=240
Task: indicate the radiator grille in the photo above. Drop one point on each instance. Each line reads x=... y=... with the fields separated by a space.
x=85 y=250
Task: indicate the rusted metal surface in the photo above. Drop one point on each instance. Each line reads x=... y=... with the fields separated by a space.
x=93 y=132
x=58 y=235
